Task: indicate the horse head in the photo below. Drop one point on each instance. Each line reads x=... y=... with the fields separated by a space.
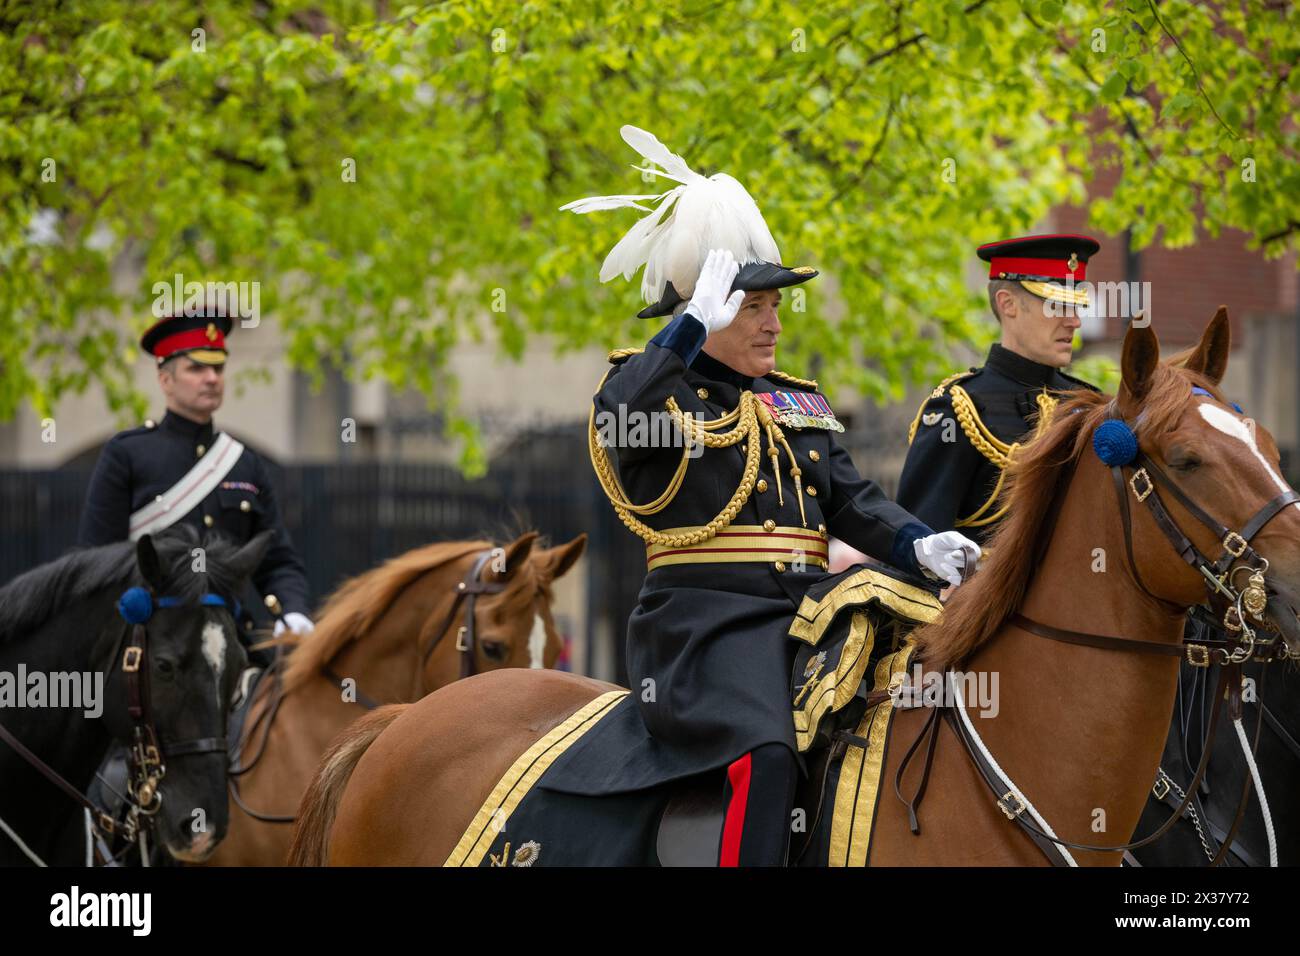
x=176 y=669
x=1216 y=473
x=515 y=627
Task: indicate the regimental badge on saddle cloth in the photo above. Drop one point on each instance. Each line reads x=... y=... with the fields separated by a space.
x=800 y=410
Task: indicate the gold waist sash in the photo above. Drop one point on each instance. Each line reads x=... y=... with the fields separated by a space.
x=737 y=543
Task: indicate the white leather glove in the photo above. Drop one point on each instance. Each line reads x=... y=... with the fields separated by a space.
x=710 y=304
x=946 y=554
x=295 y=622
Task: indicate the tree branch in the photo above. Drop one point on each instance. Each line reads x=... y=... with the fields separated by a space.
x=1195 y=72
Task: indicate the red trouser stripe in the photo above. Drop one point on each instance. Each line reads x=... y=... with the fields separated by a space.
x=734 y=823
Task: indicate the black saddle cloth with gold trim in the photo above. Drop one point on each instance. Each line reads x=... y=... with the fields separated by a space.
x=592 y=792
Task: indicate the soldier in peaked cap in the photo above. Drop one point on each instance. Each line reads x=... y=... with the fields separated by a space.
x=183 y=469
x=735 y=537
x=967 y=429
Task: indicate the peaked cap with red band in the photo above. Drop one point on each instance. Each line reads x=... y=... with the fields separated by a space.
x=201 y=337
x=1051 y=267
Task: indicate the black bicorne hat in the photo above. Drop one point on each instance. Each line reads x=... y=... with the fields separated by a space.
x=753 y=277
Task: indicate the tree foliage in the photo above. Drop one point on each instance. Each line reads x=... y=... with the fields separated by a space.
x=881 y=139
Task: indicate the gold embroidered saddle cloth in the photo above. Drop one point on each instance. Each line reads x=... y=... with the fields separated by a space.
x=849 y=626
x=855 y=630
x=846 y=624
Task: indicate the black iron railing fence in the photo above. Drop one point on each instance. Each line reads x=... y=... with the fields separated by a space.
x=347 y=518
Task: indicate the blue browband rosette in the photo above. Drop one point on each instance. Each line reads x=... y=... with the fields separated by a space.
x=135 y=605
x=1114 y=442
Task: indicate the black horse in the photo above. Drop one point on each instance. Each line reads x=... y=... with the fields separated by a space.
x=1199 y=834
x=63 y=619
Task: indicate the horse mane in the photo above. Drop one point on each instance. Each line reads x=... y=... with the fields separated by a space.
x=353 y=609
x=1038 y=473
x=32 y=598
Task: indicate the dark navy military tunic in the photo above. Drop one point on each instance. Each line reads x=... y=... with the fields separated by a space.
x=945 y=477
x=136 y=466
x=708 y=654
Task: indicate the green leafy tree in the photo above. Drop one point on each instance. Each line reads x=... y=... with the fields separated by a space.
x=392 y=178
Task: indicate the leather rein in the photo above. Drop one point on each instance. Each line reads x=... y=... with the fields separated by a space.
x=145 y=764
x=1237 y=607
x=467 y=592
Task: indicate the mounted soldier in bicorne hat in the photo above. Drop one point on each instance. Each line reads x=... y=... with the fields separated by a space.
x=736 y=512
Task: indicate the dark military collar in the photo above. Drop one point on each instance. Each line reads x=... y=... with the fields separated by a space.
x=187 y=428
x=714 y=370
x=1018 y=368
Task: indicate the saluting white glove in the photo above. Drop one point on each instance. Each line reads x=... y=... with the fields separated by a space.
x=295 y=622
x=946 y=554
x=711 y=304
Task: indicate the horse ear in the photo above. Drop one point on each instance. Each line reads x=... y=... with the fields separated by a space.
x=1210 y=357
x=1137 y=364
x=245 y=561
x=517 y=551
x=555 y=562
x=146 y=557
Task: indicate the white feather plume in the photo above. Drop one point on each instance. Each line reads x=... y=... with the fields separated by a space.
x=674 y=167
x=673 y=240
x=596 y=203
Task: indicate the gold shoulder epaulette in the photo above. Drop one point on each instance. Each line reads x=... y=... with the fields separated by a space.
x=622 y=355
x=807 y=383
x=938 y=391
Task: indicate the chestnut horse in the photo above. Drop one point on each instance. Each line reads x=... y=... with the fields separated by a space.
x=392 y=631
x=1079 y=728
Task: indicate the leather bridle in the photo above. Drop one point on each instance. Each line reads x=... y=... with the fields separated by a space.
x=145 y=754
x=1236 y=606
x=467 y=592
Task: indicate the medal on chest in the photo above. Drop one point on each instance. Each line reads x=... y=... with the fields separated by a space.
x=800 y=410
